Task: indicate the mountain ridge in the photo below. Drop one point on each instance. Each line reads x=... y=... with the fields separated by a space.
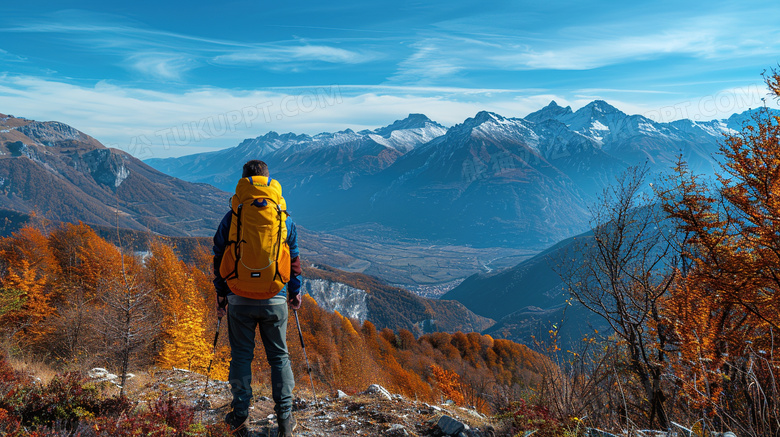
x=55 y=169
x=551 y=163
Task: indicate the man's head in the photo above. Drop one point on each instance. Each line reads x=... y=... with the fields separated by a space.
x=255 y=167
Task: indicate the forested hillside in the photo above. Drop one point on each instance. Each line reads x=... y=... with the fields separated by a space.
x=73 y=301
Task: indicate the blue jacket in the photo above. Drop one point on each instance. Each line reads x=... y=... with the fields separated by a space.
x=221 y=239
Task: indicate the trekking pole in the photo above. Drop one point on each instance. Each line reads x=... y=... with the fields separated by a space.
x=211 y=361
x=303 y=346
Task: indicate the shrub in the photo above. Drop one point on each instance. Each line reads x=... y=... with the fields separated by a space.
x=166 y=417
x=71 y=406
x=522 y=416
x=65 y=400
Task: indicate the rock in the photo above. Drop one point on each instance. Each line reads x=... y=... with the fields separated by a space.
x=448 y=402
x=101 y=374
x=398 y=397
x=341 y=395
x=97 y=372
x=473 y=411
x=450 y=426
x=379 y=390
x=433 y=407
x=202 y=404
x=397 y=430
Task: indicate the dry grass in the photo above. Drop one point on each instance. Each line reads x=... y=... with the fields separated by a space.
x=37 y=369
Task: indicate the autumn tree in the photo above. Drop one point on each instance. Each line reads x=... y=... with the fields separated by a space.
x=29 y=244
x=129 y=318
x=625 y=273
x=725 y=307
x=26 y=307
x=183 y=311
x=448 y=382
x=88 y=267
x=11 y=300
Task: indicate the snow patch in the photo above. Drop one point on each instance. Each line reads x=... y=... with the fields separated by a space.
x=507 y=129
x=716 y=128
x=648 y=128
x=347 y=180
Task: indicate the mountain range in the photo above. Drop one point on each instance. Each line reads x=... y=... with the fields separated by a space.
x=489 y=181
x=65 y=175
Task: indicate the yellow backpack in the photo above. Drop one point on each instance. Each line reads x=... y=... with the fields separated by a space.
x=256 y=262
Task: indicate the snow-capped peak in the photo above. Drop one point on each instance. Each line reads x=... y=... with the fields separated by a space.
x=551 y=111
x=598 y=108
x=413 y=121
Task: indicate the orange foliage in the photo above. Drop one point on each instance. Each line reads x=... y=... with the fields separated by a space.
x=449 y=383
x=403 y=364
x=29 y=244
x=184 y=311
x=66 y=243
x=29 y=322
x=725 y=307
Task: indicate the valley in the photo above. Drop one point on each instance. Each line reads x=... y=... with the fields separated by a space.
x=427 y=269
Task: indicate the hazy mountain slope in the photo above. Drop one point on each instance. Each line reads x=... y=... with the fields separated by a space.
x=67 y=175
x=528 y=299
x=534 y=282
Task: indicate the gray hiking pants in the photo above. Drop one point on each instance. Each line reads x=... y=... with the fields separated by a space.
x=243 y=321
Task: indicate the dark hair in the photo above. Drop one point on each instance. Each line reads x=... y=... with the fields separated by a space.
x=255 y=167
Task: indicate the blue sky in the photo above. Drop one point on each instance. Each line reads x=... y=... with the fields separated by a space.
x=171 y=78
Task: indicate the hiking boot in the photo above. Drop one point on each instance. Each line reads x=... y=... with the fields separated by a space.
x=286 y=426
x=237 y=424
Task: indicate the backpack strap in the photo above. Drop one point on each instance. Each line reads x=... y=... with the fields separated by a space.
x=281 y=213
x=234 y=273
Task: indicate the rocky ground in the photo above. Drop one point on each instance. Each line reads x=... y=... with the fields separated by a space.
x=375 y=412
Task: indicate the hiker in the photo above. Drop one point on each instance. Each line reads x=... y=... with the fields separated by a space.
x=255 y=284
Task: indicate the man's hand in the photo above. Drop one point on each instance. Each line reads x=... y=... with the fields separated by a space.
x=295 y=301
x=221 y=306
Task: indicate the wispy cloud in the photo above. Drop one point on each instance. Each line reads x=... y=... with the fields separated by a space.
x=165 y=55
x=585 y=54
x=276 y=55
x=162 y=66
x=10 y=57
x=622 y=91
x=455 y=48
